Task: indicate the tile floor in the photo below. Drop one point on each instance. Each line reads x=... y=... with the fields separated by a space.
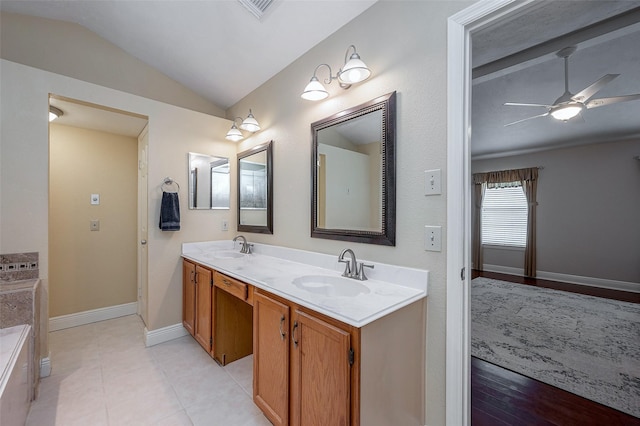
x=102 y=374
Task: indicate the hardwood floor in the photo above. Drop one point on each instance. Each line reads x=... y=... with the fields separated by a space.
x=500 y=397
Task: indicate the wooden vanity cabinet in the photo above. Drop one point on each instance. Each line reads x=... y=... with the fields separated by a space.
x=233 y=319
x=189 y=296
x=204 y=307
x=305 y=369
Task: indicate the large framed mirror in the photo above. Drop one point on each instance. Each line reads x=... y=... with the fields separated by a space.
x=255 y=189
x=354 y=174
x=209 y=182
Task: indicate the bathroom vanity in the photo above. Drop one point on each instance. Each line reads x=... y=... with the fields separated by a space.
x=327 y=349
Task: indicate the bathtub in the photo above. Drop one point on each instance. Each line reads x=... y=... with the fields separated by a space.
x=15 y=388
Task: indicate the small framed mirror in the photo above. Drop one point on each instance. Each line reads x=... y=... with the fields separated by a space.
x=255 y=189
x=354 y=174
x=209 y=182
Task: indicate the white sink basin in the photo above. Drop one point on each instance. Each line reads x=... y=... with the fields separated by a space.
x=327 y=285
x=225 y=254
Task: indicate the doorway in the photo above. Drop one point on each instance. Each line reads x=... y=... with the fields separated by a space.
x=462 y=26
x=93 y=221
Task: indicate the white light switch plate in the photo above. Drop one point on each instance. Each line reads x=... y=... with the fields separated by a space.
x=433 y=182
x=433 y=238
x=225 y=225
x=95 y=199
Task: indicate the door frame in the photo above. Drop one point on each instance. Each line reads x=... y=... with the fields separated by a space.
x=458 y=339
x=143 y=229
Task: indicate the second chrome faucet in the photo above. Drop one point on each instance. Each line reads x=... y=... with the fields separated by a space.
x=352 y=268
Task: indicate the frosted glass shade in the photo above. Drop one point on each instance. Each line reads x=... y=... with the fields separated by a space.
x=314 y=91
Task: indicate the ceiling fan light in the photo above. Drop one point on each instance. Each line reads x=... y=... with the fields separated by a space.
x=250 y=123
x=314 y=91
x=234 y=134
x=566 y=112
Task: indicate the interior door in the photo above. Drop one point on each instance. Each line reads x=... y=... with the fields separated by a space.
x=143 y=257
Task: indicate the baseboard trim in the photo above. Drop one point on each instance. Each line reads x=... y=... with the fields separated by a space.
x=165 y=334
x=94 y=315
x=45 y=366
x=573 y=279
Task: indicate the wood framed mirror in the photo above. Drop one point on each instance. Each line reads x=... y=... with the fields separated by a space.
x=353 y=193
x=255 y=189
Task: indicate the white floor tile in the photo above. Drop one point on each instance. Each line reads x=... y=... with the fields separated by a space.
x=102 y=374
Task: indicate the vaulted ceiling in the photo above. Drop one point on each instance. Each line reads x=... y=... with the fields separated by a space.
x=222 y=52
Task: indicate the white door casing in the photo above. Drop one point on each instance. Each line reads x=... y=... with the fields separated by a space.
x=143 y=259
x=458 y=340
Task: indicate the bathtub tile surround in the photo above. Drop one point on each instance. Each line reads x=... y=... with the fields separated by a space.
x=104 y=375
x=20 y=294
x=18 y=267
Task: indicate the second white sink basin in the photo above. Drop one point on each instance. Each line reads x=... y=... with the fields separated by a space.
x=327 y=285
x=225 y=254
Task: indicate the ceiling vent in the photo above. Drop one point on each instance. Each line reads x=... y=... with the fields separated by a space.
x=256 y=7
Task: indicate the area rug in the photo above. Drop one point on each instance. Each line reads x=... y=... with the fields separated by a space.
x=586 y=345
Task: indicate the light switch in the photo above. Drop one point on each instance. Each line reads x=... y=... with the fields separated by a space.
x=95 y=199
x=225 y=225
x=433 y=182
x=94 y=225
x=433 y=238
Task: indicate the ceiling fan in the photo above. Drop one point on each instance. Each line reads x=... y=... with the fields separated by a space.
x=569 y=105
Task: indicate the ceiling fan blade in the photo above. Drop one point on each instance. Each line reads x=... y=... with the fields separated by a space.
x=588 y=92
x=519 y=104
x=594 y=103
x=525 y=119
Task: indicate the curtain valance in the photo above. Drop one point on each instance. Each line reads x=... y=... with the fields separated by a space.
x=506 y=178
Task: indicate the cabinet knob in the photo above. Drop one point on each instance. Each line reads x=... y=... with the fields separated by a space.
x=143 y=242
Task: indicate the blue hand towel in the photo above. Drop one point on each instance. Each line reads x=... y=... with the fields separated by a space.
x=170 y=212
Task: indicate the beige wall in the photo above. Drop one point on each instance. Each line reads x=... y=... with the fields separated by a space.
x=72 y=50
x=404 y=43
x=587 y=215
x=24 y=174
x=91 y=269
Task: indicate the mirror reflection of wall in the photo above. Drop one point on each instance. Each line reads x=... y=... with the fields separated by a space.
x=350 y=174
x=253 y=189
x=353 y=174
x=209 y=182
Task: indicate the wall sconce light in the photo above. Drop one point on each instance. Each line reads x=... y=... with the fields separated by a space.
x=353 y=71
x=54 y=113
x=249 y=124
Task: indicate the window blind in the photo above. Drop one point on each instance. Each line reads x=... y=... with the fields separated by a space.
x=504 y=217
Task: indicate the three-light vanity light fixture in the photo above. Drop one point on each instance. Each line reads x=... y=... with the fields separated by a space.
x=353 y=71
x=250 y=124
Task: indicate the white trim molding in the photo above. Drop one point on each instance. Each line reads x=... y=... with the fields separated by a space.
x=45 y=366
x=567 y=278
x=165 y=334
x=460 y=27
x=94 y=315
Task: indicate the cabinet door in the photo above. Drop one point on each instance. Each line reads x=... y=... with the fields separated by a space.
x=271 y=358
x=204 y=302
x=188 y=296
x=320 y=369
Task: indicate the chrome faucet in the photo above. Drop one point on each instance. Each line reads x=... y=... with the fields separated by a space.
x=246 y=247
x=352 y=268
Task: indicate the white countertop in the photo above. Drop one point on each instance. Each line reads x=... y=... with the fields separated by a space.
x=275 y=269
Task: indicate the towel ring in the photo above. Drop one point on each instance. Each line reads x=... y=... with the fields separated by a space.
x=168 y=182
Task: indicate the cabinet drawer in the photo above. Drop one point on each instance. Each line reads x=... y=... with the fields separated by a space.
x=231 y=286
